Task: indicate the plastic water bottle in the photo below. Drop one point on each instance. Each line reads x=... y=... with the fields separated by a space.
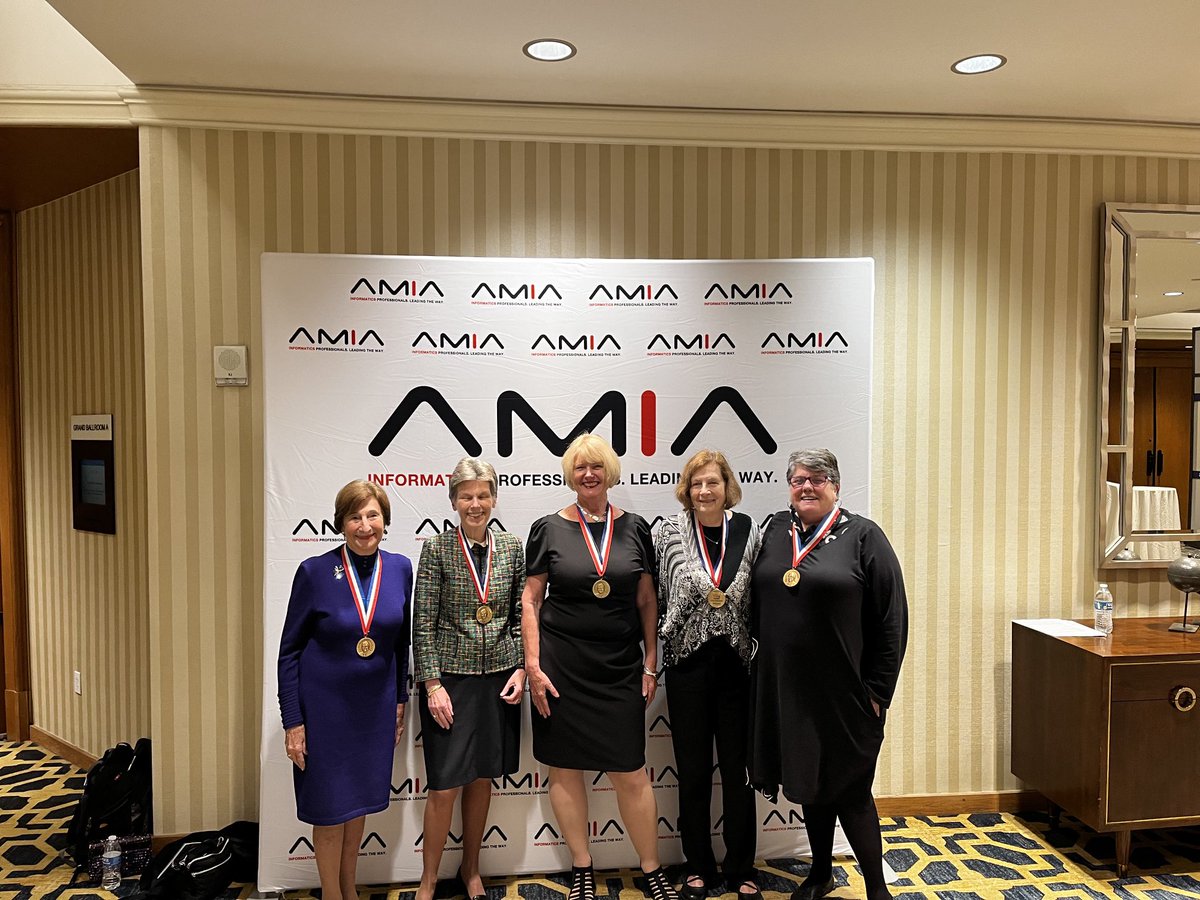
x=110 y=864
x=1103 y=608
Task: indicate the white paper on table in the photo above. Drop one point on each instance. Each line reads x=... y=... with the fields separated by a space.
x=1060 y=627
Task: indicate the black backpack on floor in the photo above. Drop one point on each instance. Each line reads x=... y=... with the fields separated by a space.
x=115 y=800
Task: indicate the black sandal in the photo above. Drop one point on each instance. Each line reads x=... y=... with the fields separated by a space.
x=756 y=894
x=689 y=891
x=583 y=883
x=658 y=887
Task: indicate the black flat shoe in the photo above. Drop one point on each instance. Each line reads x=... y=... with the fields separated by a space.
x=658 y=887
x=583 y=883
x=755 y=894
x=693 y=891
x=813 y=890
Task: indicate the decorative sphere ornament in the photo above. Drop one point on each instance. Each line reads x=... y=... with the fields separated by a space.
x=1184 y=572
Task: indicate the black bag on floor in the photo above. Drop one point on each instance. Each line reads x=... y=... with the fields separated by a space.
x=198 y=867
x=243 y=842
x=115 y=800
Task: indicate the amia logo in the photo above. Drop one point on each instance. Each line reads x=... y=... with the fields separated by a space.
x=635 y=295
x=409 y=789
x=315 y=531
x=607 y=831
x=661 y=777
x=575 y=345
x=465 y=344
x=516 y=295
x=347 y=340
x=752 y=294
x=612 y=405
x=301 y=848
x=777 y=821
x=432 y=528
x=660 y=727
x=404 y=291
x=547 y=836
x=691 y=345
x=521 y=784
x=812 y=342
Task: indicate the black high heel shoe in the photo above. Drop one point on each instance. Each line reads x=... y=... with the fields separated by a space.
x=583 y=883
x=658 y=887
x=466 y=890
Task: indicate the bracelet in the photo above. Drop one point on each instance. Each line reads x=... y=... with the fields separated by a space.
x=650 y=672
x=430 y=691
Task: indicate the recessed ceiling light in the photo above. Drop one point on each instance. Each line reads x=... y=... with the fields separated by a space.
x=977 y=65
x=549 y=50
x=1172 y=293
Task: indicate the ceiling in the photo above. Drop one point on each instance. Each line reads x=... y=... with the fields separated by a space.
x=1071 y=59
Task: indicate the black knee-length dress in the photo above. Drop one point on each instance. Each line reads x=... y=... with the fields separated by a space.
x=590 y=647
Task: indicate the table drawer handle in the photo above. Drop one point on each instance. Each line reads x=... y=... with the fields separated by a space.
x=1183 y=698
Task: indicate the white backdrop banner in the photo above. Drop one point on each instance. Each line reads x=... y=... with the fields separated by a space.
x=393 y=368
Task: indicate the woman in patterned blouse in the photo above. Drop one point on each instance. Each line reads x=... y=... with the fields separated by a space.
x=468 y=655
x=704 y=555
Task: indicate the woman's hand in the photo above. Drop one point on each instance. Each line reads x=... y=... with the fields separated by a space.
x=295 y=746
x=875 y=706
x=399 y=722
x=649 y=687
x=440 y=705
x=514 y=687
x=539 y=686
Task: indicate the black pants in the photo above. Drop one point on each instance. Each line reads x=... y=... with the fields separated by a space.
x=860 y=822
x=708 y=698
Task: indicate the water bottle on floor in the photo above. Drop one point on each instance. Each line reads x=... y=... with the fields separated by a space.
x=1103 y=608
x=110 y=864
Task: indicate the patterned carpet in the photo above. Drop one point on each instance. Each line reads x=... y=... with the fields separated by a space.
x=984 y=856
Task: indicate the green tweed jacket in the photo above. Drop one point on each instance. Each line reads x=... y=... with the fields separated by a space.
x=446 y=636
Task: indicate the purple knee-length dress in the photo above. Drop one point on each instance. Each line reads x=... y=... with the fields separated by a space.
x=346 y=704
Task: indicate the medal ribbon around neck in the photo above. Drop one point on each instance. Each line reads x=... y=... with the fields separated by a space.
x=481 y=587
x=801 y=550
x=364 y=605
x=714 y=572
x=599 y=554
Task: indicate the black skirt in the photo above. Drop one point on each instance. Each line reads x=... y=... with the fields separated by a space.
x=483 y=742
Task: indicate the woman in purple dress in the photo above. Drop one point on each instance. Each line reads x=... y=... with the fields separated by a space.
x=343 y=673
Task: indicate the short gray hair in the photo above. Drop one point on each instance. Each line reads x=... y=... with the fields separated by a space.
x=818 y=461
x=470 y=468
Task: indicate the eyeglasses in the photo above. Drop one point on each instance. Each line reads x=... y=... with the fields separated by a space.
x=817 y=481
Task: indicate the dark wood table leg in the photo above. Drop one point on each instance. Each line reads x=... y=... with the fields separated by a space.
x=1055 y=814
x=1124 y=840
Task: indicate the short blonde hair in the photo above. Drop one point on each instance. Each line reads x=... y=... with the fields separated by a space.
x=471 y=468
x=591 y=448
x=683 y=490
x=354 y=495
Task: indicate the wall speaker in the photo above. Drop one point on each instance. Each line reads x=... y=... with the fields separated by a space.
x=229 y=366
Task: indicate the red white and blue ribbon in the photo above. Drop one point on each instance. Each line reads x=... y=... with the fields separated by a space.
x=481 y=586
x=800 y=549
x=714 y=571
x=599 y=553
x=364 y=604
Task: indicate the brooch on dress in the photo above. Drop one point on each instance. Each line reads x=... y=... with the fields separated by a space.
x=338 y=571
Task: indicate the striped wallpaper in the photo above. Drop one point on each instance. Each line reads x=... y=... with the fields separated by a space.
x=79 y=307
x=984 y=444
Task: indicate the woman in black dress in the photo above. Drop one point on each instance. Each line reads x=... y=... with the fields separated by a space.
x=588 y=604
x=831 y=620
x=704 y=556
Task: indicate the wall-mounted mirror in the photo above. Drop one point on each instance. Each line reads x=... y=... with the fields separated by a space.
x=1149 y=491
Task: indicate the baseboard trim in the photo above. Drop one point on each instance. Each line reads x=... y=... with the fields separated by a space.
x=59 y=747
x=957 y=804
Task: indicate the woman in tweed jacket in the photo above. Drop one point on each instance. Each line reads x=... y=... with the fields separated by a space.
x=468 y=657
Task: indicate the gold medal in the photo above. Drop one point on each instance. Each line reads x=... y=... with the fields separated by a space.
x=716 y=598
x=601 y=588
x=365 y=647
x=483 y=614
x=791 y=578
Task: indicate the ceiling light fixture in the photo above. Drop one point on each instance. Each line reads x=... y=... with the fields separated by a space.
x=977 y=65
x=549 y=50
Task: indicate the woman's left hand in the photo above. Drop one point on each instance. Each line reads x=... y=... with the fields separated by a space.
x=649 y=687
x=514 y=687
x=399 y=722
x=875 y=706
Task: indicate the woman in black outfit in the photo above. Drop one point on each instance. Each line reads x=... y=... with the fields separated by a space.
x=704 y=555
x=587 y=606
x=831 y=620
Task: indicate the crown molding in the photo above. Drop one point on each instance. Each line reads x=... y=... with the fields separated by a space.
x=260 y=111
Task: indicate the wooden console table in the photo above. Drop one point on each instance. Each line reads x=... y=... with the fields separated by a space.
x=1108 y=729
